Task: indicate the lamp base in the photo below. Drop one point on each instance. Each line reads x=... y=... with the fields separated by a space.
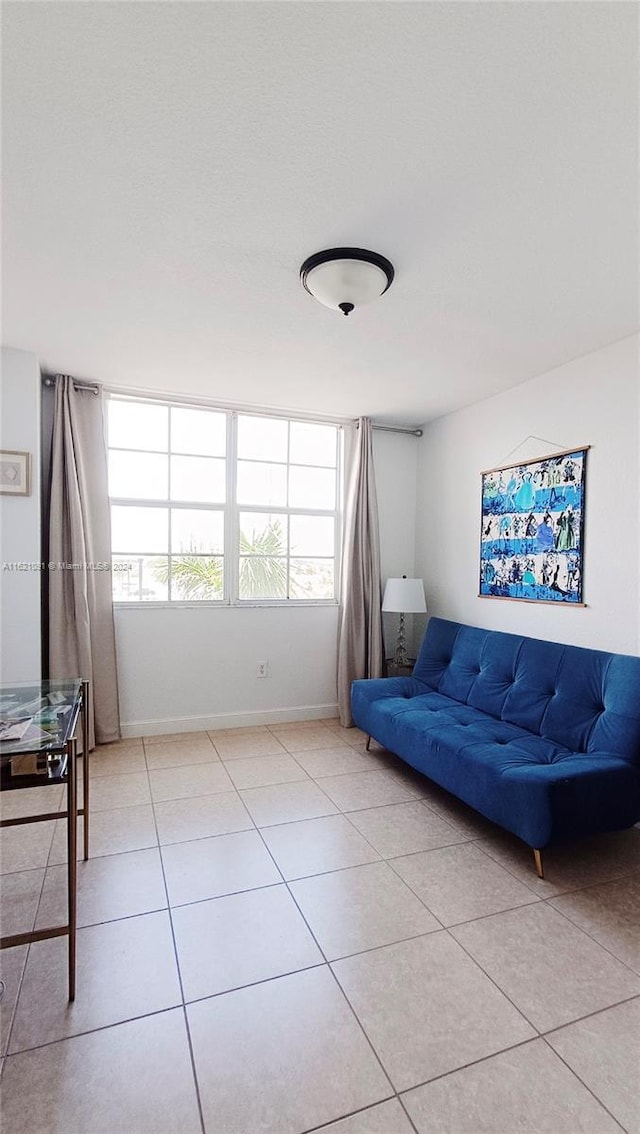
x=400 y=658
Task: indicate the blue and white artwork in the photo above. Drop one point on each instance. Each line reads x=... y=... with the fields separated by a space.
x=532 y=529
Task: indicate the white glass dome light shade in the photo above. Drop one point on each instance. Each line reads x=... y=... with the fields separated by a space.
x=344 y=278
x=346 y=281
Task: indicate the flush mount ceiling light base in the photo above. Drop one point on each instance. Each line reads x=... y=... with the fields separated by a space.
x=344 y=278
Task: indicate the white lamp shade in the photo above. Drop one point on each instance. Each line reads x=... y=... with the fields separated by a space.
x=346 y=281
x=404 y=596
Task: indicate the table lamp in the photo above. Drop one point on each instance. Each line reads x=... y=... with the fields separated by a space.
x=403 y=596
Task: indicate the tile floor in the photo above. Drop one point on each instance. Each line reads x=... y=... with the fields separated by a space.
x=283 y=933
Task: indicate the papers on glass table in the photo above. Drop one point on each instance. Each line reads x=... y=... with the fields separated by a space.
x=13 y=728
x=39 y=721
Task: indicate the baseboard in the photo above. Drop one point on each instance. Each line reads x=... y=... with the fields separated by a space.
x=227 y=720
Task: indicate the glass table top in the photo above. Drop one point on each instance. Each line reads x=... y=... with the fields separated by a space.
x=38 y=716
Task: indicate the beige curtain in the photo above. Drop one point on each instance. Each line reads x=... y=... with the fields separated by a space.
x=81 y=629
x=360 y=651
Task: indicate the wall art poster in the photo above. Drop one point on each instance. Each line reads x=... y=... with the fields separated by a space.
x=532 y=529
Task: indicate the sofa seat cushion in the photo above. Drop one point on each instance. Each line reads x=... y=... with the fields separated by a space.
x=419 y=713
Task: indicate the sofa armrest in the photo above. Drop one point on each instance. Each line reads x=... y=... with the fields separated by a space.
x=582 y=796
x=373 y=688
x=368 y=690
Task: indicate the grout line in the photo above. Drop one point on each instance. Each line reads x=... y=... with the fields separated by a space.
x=589 y=1015
x=213 y=760
x=365 y=1034
x=321 y=950
x=471 y=1063
x=362 y=1111
x=631 y=872
x=319 y=964
x=92 y=1031
x=180 y=982
x=385 y=945
x=521 y=1011
x=574 y=1073
x=323 y=954
x=530 y=880
x=586 y=932
x=14 y=1010
x=407 y=1115
x=493 y=1055
x=493 y=981
x=510 y=868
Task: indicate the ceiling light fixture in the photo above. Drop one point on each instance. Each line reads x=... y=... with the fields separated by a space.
x=344 y=278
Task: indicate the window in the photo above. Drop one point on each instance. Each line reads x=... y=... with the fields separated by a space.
x=210 y=505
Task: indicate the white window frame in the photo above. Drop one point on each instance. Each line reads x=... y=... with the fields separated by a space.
x=231 y=508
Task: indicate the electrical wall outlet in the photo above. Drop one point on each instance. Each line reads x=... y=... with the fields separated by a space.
x=262 y=669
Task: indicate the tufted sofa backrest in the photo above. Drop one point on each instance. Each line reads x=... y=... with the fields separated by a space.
x=586 y=700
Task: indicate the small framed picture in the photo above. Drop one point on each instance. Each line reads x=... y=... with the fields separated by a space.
x=14 y=473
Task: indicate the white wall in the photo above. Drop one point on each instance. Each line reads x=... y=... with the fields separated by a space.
x=20 y=520
x=592 y=400
x=190 y=668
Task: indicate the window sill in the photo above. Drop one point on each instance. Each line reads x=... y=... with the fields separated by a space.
x=246 y=604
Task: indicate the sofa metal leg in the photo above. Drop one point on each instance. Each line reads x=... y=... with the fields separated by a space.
x=368 y=742
x=537 y=855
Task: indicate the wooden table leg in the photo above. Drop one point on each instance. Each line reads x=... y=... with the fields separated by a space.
x=72 y=865
x=85 y=764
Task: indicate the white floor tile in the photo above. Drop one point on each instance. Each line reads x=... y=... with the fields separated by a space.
x=282 y=1057
x=209 y=868
x=361 y=908
x=527 y=1089
x=427 y=1008
x=240 y=939
x=548 y=967
x=604 y=1052
x=116 y=886
x=125 y=969
x=135 y=1077
x=314 y=846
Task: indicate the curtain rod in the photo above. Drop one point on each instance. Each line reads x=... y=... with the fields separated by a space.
x=50 y=381
x=396 y=429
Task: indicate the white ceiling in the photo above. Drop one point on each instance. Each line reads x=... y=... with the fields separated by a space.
x=168 y=166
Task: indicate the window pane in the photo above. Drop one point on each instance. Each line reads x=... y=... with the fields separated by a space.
x=313 y=444
x=197 y=577
x=311 y=535
x=198 y=478
x=262 y=438
x=263 y=533
x=262 y=578
x=137 y=425
x=312 y=488
x=141 y=475
x=311 y=579
x=139 y=529
x=259 y=483
x=197 y=529
x=198 y=431
x=141 y=578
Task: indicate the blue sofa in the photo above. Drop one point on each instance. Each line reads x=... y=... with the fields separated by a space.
x=541 y=738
